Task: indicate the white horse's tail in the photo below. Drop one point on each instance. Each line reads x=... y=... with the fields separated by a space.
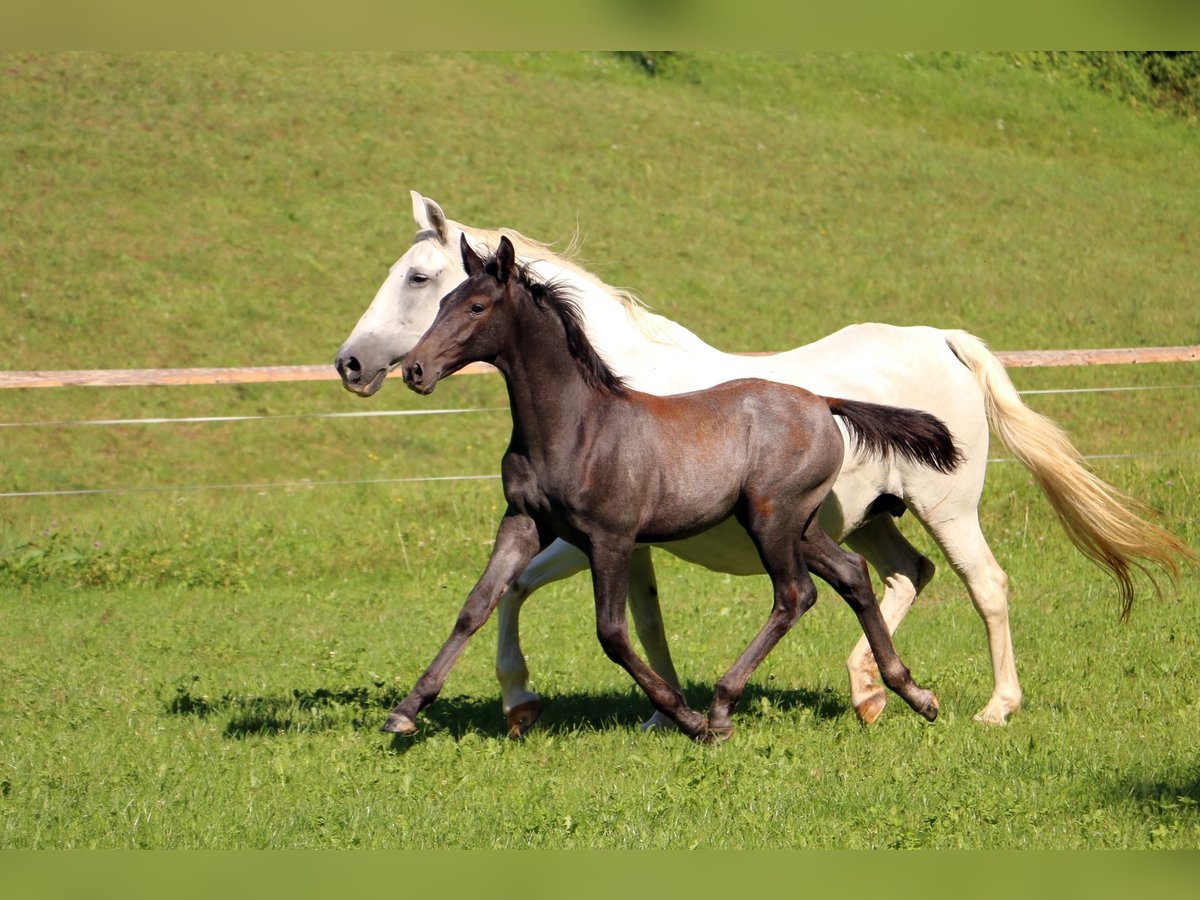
x=1109 y=527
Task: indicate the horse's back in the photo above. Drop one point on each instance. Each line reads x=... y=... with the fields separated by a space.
x=909 y=366
x=879 y=363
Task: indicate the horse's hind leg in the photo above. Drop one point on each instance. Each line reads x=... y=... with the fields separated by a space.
x=847 y=574
x=969 y=555
x=904 y=571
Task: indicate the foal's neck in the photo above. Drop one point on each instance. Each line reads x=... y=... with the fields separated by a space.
x=547 y=391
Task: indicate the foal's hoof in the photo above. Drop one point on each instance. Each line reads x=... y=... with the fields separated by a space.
x=872 y=708
x=715 y=734
x=930 y=708
x=399 y=724
x=522 y=716
x=694 y=725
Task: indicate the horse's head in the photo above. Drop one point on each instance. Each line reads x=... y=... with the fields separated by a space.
x=470 y=324
x=405 y=303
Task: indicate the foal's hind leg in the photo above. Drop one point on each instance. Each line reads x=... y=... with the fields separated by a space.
x=847 y=574
x=774 y=535
x=904 y=572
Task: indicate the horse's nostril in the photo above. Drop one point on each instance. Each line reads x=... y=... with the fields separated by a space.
x=416 y=371
x=349 y=368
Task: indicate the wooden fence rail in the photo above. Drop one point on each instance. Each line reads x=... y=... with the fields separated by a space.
x=260 y=374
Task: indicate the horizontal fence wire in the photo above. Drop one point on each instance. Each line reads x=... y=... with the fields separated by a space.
x=143 y=377
x=295 y=485
x=183 y=420
x=263 y=374
x=251 y=486
x=383 y=413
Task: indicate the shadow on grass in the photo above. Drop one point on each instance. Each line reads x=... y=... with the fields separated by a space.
x=1172 y=797
x=365 y=709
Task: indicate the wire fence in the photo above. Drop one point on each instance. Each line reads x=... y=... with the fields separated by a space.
x=1013 y=359
x=153 y=377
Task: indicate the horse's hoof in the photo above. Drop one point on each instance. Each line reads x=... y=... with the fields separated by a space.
x=988 y=720
x=522 y=716
x=399 y=724
x=872 y=708
x=989 y=716
x=659 y=722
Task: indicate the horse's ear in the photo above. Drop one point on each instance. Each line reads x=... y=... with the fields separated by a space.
x=429 y=217
x=437 y=219
x=506 y=259
x=472 y=263
x=418 y=203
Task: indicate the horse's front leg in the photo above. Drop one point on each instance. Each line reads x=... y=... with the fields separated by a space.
x=610 y=580
x=522 y=707
x=648 y=623
x=517 y=541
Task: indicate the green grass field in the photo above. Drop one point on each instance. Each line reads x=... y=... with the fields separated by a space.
x=191 y=668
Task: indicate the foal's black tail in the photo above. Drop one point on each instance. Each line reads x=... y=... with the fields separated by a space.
x=917 y=436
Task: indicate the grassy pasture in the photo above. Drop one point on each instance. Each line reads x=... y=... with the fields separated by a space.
x=206 y=668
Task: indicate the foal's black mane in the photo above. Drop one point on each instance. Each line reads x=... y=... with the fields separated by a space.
x=556 y=297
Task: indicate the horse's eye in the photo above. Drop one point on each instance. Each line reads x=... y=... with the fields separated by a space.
x=476 y=309
x=416 y=279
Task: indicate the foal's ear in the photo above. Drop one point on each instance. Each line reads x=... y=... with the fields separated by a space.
x=506 y=259
x=472 y=262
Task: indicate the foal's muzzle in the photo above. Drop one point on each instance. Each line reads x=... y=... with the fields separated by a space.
x=414 y=377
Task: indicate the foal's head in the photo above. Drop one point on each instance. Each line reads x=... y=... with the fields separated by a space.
x=478 y=321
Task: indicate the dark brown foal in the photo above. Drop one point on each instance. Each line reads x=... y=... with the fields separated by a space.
x=607 y=468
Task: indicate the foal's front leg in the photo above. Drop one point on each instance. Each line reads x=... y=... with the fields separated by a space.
x=517 y=541
x=610 y=582
x=522 y=707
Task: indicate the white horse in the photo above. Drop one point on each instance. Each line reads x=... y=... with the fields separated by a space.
x=950 y=374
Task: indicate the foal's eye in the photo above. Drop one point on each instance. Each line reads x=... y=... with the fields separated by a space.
x=476 y=309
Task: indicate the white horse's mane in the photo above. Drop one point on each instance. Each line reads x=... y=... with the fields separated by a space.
x=648 y=322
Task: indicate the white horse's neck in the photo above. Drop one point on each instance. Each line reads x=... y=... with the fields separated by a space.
x=653 y=353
